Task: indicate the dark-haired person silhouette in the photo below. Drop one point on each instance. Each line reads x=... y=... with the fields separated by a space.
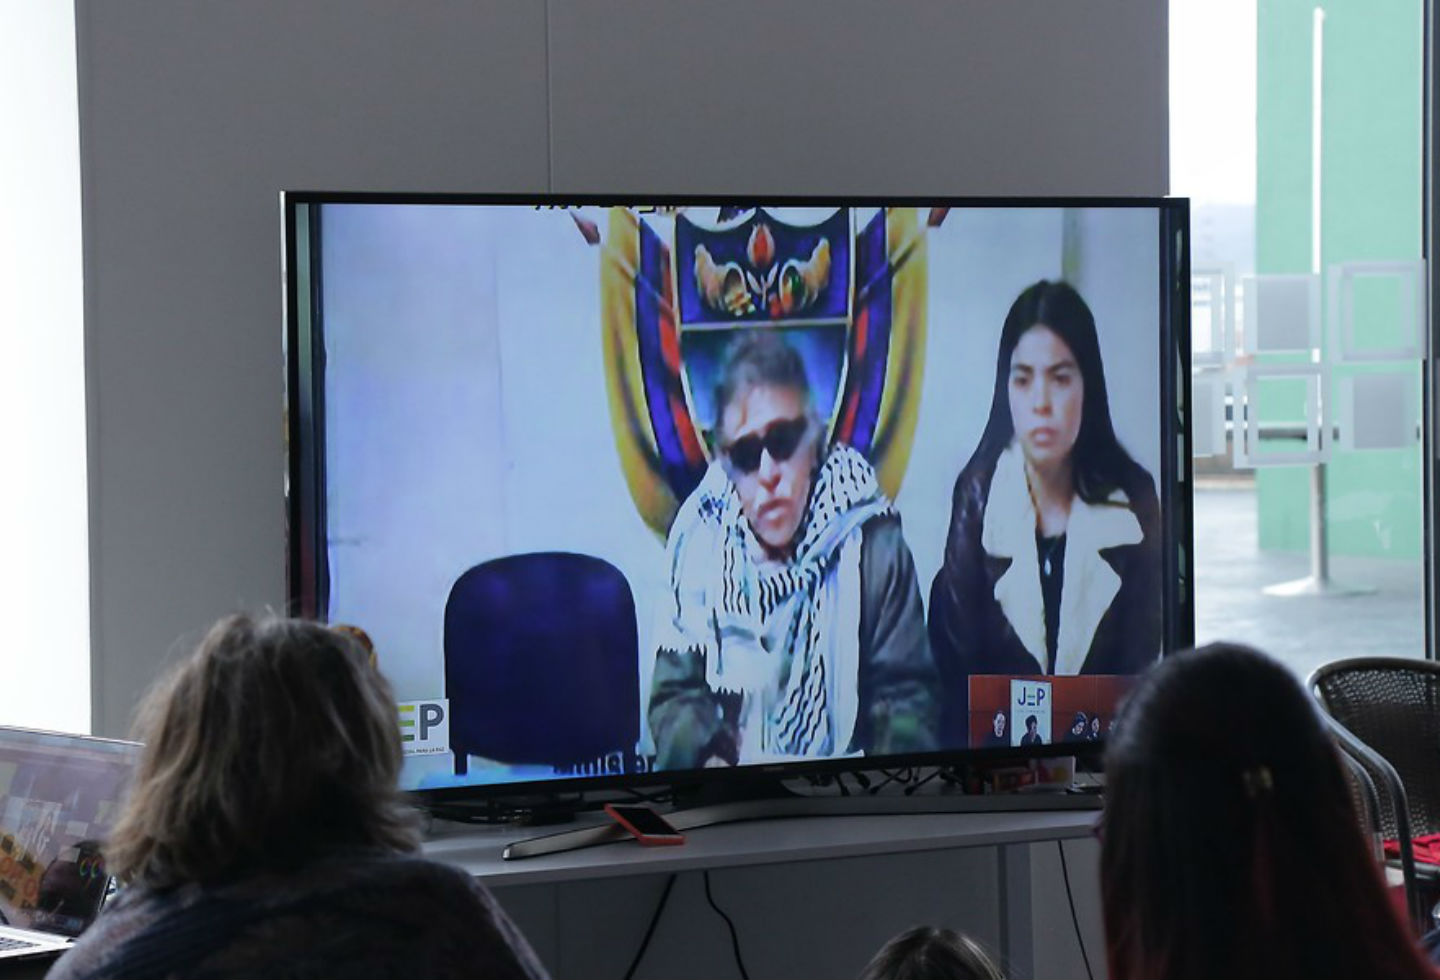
x=1032 y=732
x=1234 y=850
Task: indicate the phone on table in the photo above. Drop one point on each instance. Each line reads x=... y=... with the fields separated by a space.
x=647 y=826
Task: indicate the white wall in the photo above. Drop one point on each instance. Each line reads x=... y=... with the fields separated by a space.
x=194 y=116
x=44 y=579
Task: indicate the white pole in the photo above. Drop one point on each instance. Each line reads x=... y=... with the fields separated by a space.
x=1319 y=546
x=1317 y=77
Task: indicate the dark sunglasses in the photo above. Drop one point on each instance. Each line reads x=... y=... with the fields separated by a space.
x=780 y=441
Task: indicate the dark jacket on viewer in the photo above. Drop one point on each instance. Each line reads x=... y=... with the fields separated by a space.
x=354 y=914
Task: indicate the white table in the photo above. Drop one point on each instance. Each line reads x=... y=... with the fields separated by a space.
x=812 y=895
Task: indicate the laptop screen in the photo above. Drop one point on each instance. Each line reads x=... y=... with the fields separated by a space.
x=59 y=797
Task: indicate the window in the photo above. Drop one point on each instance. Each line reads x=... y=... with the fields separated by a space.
x=1296 y=130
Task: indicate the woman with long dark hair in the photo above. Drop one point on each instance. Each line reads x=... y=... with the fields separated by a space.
x=264 y=834
x=1052 y=562
x=1233 y=849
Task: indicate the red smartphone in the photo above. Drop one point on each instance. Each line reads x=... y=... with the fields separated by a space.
x=647 y=826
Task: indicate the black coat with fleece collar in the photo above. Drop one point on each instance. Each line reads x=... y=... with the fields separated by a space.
x=970 y=632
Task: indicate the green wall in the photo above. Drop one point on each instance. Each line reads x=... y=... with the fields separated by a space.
x=1370 y=210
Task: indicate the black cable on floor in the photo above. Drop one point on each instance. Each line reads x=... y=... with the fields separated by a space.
x=734 y=936
x=912 y=787
x=650 y=931
x=1070 y=896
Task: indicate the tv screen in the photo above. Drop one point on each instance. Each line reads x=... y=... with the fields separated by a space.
x=628 y=491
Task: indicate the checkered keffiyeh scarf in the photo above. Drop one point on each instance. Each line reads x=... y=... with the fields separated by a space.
x=773 y=641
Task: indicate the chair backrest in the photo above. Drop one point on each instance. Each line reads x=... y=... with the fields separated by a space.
x=1392 y=704
x=541 y=661
x=1368 y=770
x=1365 y=797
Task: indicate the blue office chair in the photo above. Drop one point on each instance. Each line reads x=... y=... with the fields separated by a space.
x=541 y=662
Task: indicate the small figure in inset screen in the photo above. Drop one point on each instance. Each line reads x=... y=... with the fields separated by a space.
x=998 y=735
x=71 y=886
x=1032 y=732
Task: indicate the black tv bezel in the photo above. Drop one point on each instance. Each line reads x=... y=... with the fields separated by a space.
x=307 y=572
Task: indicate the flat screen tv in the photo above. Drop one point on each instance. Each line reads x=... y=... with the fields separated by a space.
x=670 y=490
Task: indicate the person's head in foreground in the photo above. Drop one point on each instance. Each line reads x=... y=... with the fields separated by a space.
x=1233 y=850
x=264 y=834
x=274 y=741
x=928 y=953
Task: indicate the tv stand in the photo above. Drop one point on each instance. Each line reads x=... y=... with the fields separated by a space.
x=718 y=792
x=522 y=811
x=796 y=805
x=591 y=906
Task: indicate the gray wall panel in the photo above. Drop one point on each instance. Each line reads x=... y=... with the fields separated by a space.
x=853 y=96
x=193 y=118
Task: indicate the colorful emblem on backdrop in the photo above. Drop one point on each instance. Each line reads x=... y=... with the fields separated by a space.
x=674 y=291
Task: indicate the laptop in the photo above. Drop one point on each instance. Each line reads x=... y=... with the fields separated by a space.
x=59 y=797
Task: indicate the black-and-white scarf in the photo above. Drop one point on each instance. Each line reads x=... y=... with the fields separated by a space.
x=782 y=636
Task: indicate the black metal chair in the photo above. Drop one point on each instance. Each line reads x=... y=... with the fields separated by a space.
x=1363 y=767
x=1363 y=793
x=1386 y=714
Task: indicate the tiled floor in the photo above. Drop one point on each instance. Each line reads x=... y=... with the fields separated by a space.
x=1304 y=631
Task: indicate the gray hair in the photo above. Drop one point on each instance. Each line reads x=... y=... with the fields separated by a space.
x=758 y=358
x=273 y=740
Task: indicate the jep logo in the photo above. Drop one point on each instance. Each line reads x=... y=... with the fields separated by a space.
x=1030 y=707
x=425 y=727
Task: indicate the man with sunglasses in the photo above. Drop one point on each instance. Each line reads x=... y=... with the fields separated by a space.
x=794 y=627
